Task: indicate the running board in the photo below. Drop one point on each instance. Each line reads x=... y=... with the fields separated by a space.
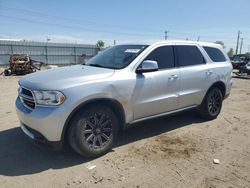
x=163 y=114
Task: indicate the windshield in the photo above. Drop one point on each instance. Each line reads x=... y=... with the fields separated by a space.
x=117 y=57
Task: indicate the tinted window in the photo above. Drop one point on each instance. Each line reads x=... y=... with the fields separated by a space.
x=164 y=56
x=215 y=54
x=189 y=55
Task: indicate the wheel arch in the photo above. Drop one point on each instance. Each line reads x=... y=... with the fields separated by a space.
x=220 y=85
x=112 y=103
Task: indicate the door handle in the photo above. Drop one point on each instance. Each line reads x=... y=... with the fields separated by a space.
x=173 y=77
x=209 y=72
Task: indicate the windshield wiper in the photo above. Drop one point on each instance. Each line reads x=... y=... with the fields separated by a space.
x=96 y=65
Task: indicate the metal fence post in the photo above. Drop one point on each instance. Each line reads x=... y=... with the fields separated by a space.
x=46 y=54
x=75 y=55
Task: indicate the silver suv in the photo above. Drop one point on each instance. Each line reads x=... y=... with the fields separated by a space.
x=86 y=105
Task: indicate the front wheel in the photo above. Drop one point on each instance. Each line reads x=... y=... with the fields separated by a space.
x=93 y=131
x=211 y=105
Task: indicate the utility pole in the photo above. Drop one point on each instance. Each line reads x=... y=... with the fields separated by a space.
x=198 y=39
x=241 y=43
x=46 y=49
x=237 y=45
x=166 y=35
x=114 y=42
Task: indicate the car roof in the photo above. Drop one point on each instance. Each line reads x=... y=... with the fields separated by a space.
x=208 y=44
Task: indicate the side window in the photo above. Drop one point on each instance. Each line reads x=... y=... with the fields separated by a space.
x=189 y=55
x=215 y=54
x=164 y=56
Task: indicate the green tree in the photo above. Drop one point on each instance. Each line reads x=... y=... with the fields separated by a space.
x=100 y=44
x=230 y=53
x=221 y=43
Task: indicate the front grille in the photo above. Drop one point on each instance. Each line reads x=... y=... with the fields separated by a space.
x=26 y=92
x=30 y=104
x=27 y=98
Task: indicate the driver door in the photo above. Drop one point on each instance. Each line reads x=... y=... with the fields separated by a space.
x=157 y=92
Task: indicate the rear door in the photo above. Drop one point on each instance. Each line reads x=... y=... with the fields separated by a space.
x=157 y=92
x=196 y=75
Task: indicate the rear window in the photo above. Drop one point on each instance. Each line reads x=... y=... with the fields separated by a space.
x=189 y=55
x=215 y=54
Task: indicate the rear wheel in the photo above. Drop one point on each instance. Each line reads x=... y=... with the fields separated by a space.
x=211 y=105
x=93 y=130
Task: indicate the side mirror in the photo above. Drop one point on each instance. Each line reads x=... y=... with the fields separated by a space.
x=147 y=66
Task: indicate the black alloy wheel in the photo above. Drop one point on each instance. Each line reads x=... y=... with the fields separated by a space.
x=93 y=130
x=97 y=130
x=211 y=105
x=214 y=103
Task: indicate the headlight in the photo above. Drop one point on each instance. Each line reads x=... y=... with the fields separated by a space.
x=49 y=98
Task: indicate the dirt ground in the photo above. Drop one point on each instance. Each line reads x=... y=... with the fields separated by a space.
x=175 y=151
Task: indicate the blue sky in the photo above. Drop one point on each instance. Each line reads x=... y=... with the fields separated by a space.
x=126 y=21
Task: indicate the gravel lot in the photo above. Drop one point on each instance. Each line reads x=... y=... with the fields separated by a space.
x=175 y=151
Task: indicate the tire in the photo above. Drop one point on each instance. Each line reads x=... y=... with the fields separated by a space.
x=242 y=69
x=93 y=131
x=211 y=105
x=72 y=140
x=7 y=72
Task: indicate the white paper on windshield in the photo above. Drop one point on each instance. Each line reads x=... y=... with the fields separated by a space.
x=132 y=50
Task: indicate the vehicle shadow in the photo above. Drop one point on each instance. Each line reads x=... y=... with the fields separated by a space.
x=157 y=126
x=19 y=157
x=242 y=77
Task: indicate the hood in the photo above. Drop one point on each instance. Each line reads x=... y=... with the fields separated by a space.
x=60 y=78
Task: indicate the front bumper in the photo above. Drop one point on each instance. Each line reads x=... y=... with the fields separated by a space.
x=47 y=121
x=39 y=139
